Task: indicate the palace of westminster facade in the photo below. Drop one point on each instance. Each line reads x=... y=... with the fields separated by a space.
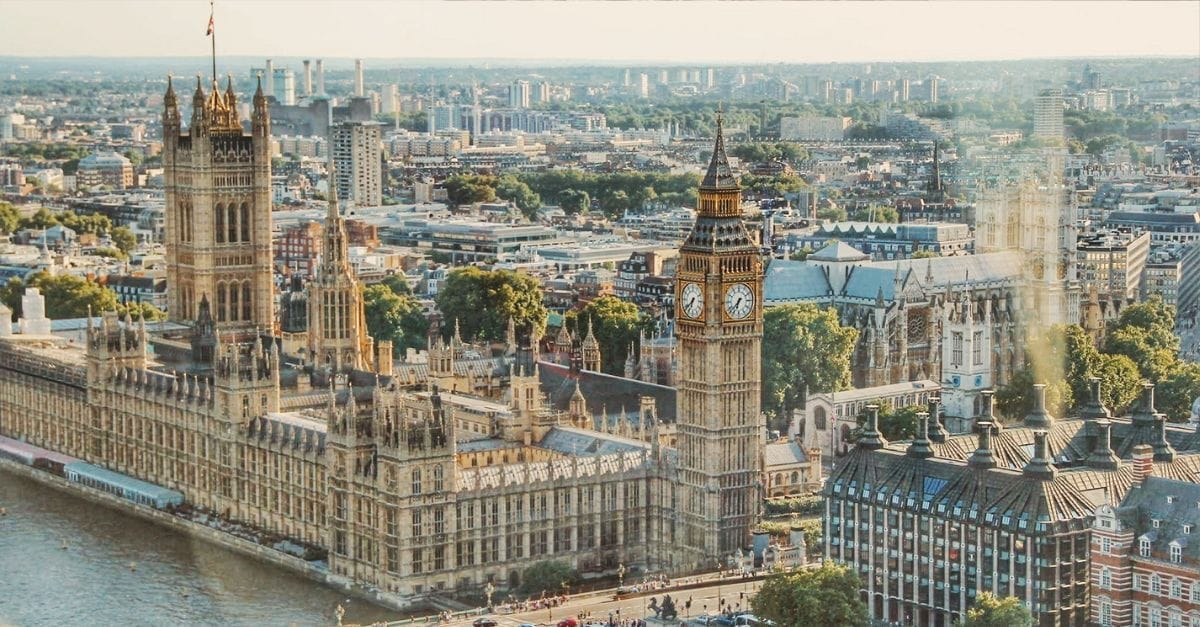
x=414 y=477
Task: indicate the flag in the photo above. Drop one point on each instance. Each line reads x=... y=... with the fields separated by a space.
x=210 y=25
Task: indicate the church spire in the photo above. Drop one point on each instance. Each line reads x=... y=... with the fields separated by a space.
x=719 y=175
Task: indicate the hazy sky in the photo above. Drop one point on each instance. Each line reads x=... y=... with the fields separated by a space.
x=659 y=31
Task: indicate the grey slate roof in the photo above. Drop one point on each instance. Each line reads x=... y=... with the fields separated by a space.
x=839 y=251
x=783 y=454
x=604 y=391
x=788 y=281
x=574 y=441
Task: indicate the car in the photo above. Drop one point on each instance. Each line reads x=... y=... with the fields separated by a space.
x=484 y=622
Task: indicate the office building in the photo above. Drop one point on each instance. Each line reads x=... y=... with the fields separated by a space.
x=357 y=149
x=1113 y=261
x=519 y=94
x=813 y=128
x=1048 y=114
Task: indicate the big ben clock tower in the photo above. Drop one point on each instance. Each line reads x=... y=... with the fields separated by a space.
x=719 y=326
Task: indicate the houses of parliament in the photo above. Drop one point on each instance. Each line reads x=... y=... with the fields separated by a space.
x=414 y=478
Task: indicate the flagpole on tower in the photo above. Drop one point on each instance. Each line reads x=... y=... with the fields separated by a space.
x=212 y=33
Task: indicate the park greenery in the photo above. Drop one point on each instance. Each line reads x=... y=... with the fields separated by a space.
x=480 y=303
x=992 y=611
x=616 y=324
x=826 y=596
x=69 y=296
x=895 y=423
x=1140 y=345
x=395 y=315
x=575 y=191
x=805 y=350
x=549 y=577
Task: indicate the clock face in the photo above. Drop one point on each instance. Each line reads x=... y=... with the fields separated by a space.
x=691 y=300
x=739 y=301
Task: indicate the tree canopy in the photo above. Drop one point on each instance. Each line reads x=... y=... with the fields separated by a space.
x=992 y=611
x=466 y=189
x=876 y=213
x=805 y=349
x=616 y=325
x=9 y=218
x=826 y=596
x=66 y=296
x=397 y=318
x=510 y=188
x=482 y=301
x=547 y=576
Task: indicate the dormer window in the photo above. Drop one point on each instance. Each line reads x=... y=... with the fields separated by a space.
x=1144 y=547
x=1176 y=553
x=1155 y=522
x=1170 y=499
x=1187 y=529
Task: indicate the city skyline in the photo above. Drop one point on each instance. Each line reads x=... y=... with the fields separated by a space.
x=946 y=31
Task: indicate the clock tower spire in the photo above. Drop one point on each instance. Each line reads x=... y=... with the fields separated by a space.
x=719 y=328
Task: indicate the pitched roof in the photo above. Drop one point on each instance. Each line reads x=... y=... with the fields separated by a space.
x=719 y=174
x=786 y=453
x=794 y=280
x=839 y=251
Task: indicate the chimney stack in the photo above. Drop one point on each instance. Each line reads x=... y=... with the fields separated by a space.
x=871 y=438
x=983 y=458
x=307 y=77
x=270 y=86
x=920 y=448
x=1039 y=418
x=358 y=78
x=1143 y=463
x=320 y=77
x=1039 y=466
x=937 y=432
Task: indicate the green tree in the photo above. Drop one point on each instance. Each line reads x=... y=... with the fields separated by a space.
x=394 y=317
x=1015 y=400
x=992 y=611
x=574 y=201
x=802 y=254
x=616 y=325
x=9 y=218
x=397 y=283
x=467 y=189
x=511 y=188
x=482 y=302
x=94 y=224
x=877 y=213
x=546 y=576
x=924 y=254
x=805 y=349
x=1176 y=392
x=832 y=213
x=67 y=296
x=895 y=424
x=826 y=596
x=1120 y=382
x=41 y=219
x=140 y=310
x=1145 y=333
x=124 y=239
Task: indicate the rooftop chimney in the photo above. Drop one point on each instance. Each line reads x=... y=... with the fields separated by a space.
x=1143 y=463
x=320 y=77
x=1095 y=409
x=1145 y=414
x=270 y=86
x=1102 y=455
x=1039 y=466
x=937 y=432
x=1163 y=451
x=983 y=458
x=989 y=412
x=920 y=447
x=1039 y=418
x=358 y=78
x=871 y=438
x=307 y=77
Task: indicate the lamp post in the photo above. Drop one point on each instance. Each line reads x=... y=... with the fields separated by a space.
x=621 y=575
x=490 y=590
x=718 y=562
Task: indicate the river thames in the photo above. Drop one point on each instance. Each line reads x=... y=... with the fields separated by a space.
x=173 y=580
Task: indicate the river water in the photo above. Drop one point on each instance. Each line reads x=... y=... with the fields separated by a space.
x=175 y=579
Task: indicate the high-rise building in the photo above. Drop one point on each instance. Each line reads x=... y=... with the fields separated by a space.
x=627 y=79
x=710 y=78
x=285 y=86
x=337 y=326
x=541 y=92
x=643 y=85
x=356 y=148
x=519 y=94
x=217 y=180
x=1048 y=114
x=719 y=328
x=933 y=84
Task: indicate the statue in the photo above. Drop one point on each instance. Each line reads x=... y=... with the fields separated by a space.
x=667 y=610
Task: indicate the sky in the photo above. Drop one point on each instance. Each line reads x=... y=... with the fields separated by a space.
x=681 y=31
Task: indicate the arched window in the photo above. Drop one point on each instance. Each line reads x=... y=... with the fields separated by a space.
x=795 y=477
x=1176 y=589
x=246 y=301
x=220 y=302
x=231 y=223
x=219 y=228
x=245 y=222
x=233 y=302
x=819 y=418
